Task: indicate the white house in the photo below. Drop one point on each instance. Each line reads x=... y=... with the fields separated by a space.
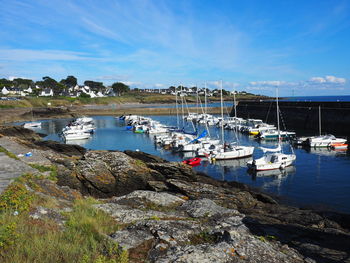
x=100 y=94
x=4 y=91
x=46 y=92
x=26 y=91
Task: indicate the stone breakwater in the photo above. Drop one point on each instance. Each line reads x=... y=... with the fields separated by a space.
x=167 y=212
x=300 y=116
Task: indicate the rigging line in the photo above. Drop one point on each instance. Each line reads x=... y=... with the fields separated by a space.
x=267 y=115
x=285 y=128
x=188 y=111
x=200 y=101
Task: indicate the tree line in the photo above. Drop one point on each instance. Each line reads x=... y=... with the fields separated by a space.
x=59 y=87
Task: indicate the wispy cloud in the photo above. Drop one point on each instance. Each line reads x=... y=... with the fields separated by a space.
x=172 y=42
x=39 y=55
x=328 y=79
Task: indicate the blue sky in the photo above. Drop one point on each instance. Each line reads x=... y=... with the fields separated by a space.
x=302 y=47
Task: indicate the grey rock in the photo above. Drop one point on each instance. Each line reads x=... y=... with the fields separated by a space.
x=48 y=213
x=127 y=215
x=204 y=208
x=131 y=239
x=205 y=253
x=162 y=199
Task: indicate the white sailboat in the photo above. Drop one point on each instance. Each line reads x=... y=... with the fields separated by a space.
x=273 y=158
x=322 y=141
x=230 y=150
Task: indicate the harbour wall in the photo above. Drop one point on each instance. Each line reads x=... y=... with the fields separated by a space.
x=302 y=117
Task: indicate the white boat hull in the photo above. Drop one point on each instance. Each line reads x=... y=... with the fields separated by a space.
x=29 y=125
x=235 y=153
x=272 y=162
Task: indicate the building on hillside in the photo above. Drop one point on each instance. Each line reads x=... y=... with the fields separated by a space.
x=14 y=91
x=28 y=91
x=47 y=92
x=100 y=94
x=4 y=91
x=109 y=92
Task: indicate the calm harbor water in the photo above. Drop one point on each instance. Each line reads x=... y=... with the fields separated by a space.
x=320 y=178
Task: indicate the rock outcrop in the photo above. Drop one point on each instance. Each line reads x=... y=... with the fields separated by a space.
x=213 y=216
x=167 y=212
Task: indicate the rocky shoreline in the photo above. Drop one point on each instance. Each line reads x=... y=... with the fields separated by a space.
x=167 y=212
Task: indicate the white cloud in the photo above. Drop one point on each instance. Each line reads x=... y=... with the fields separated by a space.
x=317 y=79
x=333 y=79
x=328 y=79
x=268 y=82
x=15 y=77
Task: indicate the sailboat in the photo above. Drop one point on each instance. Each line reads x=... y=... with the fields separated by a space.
x=322 y=141
x=232 y=150
x=273 y=158
x=32 y=124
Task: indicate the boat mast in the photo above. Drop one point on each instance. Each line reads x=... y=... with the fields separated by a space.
x=197 y=100
x=205 y=98
x=234 y=102
x=182 y=108
x=319 y=119
x=177 y=109
x=222 y=115
x=278 y=118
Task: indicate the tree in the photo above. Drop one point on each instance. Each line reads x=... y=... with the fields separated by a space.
x=120 y=88
x=5 y=83
x=69 y=82
x=23 y=83
x=95 y=86
x=56 y=87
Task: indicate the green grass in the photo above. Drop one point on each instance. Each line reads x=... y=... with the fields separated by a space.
x=130 y=97
x=9 y=154
x=23 y=239
x=43 y=168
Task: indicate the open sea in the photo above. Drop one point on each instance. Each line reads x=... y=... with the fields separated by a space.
x=319 y=98
x=319 y=178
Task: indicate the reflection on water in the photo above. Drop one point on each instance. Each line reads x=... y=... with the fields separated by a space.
x=80 y=142
x=326 y=151
x=320 y=176
x=275 y=173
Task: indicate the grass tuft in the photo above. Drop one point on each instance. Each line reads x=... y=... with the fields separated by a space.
x=83 y=239
x=9 y=154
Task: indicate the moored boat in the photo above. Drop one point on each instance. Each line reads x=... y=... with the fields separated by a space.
x=29 y=125
x=193 y=161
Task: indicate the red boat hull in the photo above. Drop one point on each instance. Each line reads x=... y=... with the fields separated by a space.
x=193 y=161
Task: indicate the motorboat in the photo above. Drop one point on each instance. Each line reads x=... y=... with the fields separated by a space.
x=274 y=135
x=324 y=141
x=77 y=135
x=30 y=125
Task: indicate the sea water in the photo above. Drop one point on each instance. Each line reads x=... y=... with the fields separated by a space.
x=319 y=178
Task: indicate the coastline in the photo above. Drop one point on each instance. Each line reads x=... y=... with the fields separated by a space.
x=25 y=114
x=248 y=216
